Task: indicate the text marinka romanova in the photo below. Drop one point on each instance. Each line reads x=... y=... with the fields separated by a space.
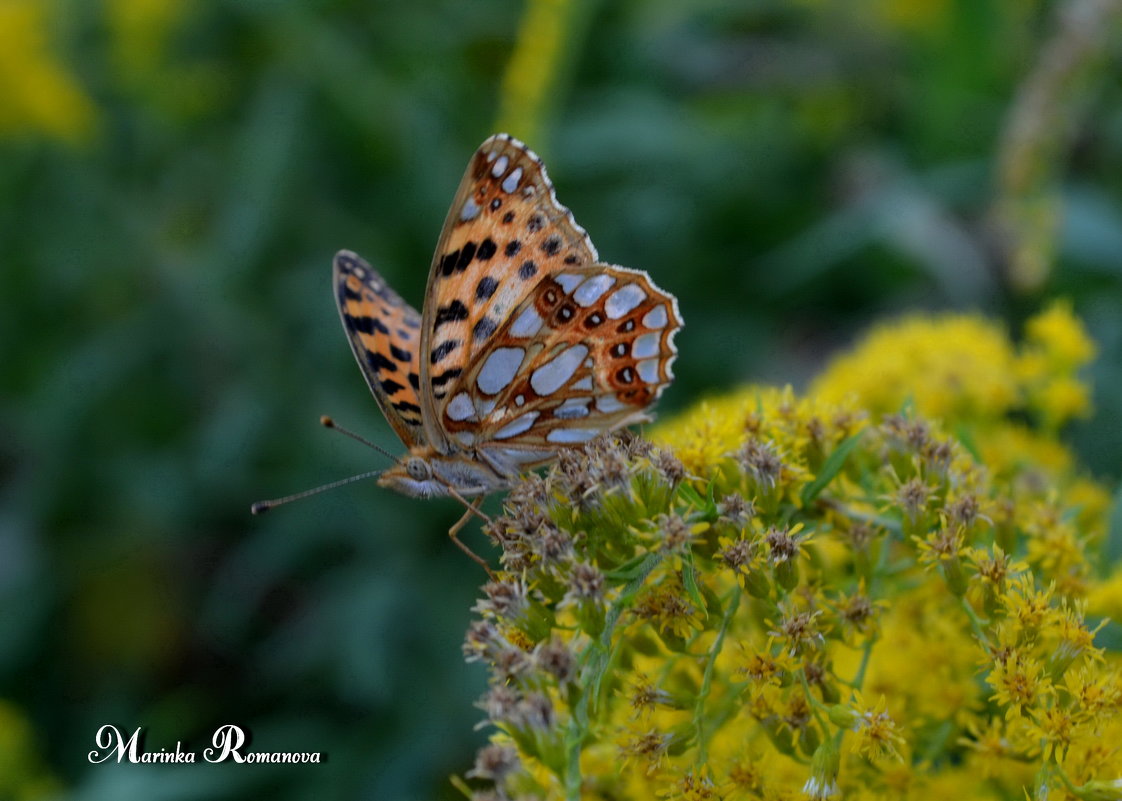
x=227 y=745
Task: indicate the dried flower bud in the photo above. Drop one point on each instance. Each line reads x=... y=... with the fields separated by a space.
x=552 y=544
x=736 y=510
x=510 y=664
x=586 y=583
x=505 y=599
x=963 y=511
x=535 y=711
x=912 y=498
x=500 y=703
x=494 y=762
x=556 y=659
x=669 y=466
x=481 y=641
x=676 y=533
x=738 y=555
x=761 y=462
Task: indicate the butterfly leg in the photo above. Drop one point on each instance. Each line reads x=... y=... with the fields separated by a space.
x=472 y=509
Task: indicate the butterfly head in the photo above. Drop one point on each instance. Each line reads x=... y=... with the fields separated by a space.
x=424 y=473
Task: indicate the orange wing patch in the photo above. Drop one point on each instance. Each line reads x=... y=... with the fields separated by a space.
x=504 y=233
x=385 y=336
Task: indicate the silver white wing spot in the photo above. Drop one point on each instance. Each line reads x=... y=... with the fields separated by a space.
x=527 y=324
x=511 y=181
x=624 y=300
x=655 y=318
x=499 y=369
x=590 y=291
x=646 y=345
x=460 y=408
x=517 y=426
x=550 y=377
x=571 y=435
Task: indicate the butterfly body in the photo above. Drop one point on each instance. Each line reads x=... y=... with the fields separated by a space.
x=527 y=343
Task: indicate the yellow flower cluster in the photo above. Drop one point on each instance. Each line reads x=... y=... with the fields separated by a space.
x=23 y=773
x=812 y=597
x=39 y=94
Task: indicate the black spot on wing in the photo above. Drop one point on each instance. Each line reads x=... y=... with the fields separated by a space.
x=527 y=270
x=378 y=362
x=483 y=329
x=551 y=245
x=446 y=376
x=508 y=218
x=487 y=249
x=467 y=253
x=448 y=263
x=406 y=406
x=399 y=354
x=443 y=349
x=415 y=381
x=451 y=313
x=365 y=324
x=512 y=248
x=486 y=288
x=390 y=387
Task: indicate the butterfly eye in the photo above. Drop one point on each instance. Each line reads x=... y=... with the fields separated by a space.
x=418 y=469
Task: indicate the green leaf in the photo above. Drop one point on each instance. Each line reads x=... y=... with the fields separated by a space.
x=689 y=578
x=629 y=569
x=830 y=469
x=964 y=435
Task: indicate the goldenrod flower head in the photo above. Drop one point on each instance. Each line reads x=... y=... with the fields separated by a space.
x=703 y=618
x=878 y=736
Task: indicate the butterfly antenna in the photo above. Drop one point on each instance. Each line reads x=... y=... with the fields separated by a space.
x=328 y=422
x=261 y=507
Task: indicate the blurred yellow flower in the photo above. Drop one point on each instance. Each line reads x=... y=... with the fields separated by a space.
x=1060 y=336
x=954 y=366
x=22 y=773
x=40 y=95
x=140 y=32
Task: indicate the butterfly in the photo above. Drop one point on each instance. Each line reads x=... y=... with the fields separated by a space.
x=527 y=344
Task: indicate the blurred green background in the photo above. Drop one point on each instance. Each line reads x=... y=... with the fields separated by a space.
x=175 y=177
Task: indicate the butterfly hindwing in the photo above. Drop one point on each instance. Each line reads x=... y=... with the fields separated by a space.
x=587 y=351
x=504 y=233
x=384 y=332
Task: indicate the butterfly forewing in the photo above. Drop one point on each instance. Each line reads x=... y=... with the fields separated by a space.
x=385 y=336
x=504 y=234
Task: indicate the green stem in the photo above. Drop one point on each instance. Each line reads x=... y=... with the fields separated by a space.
x=976 y=623
x=816 y=706
x=866 y=652
x=732 y=603
x=596 y=658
